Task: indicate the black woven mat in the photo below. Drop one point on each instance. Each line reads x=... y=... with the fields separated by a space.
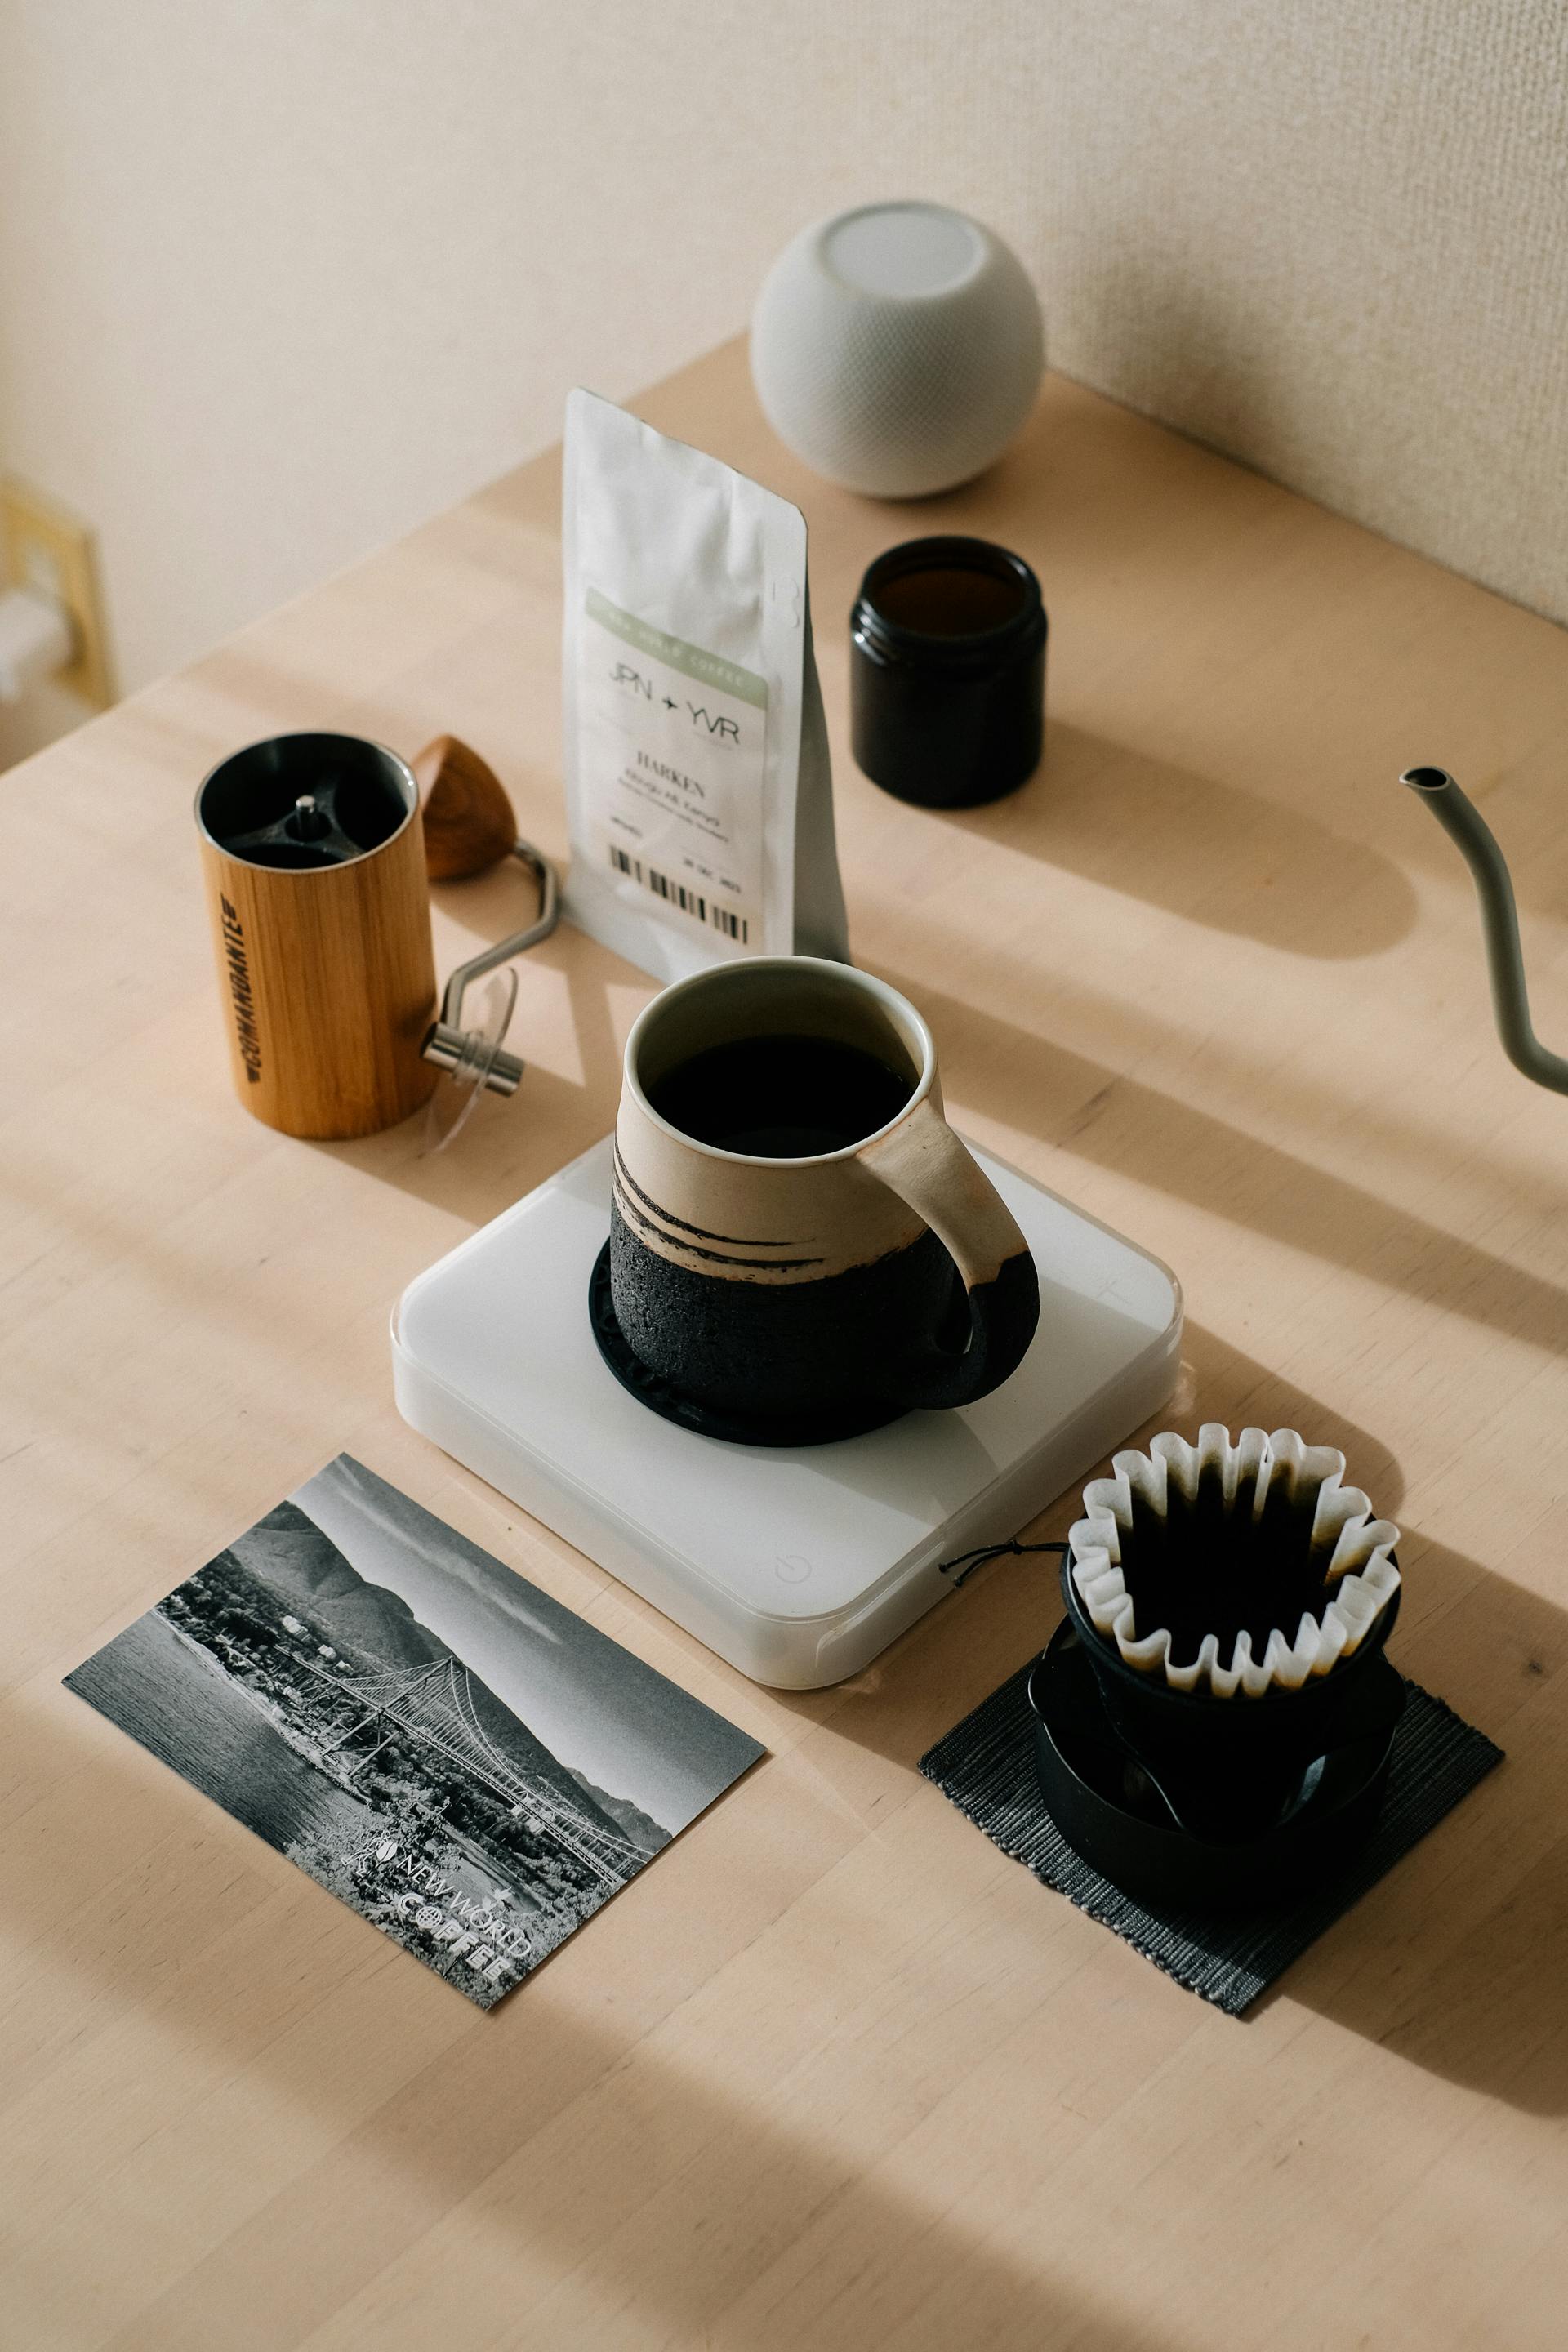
x=986 y=1766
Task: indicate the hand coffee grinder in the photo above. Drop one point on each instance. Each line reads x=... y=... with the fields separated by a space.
x=318 y=858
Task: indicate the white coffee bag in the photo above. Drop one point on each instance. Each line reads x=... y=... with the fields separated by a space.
x=699 y=793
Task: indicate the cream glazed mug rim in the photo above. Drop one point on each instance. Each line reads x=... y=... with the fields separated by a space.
x=891 y=998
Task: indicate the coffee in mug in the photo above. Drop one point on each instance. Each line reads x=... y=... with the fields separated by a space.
x=801 y=1248
x=782 y=1098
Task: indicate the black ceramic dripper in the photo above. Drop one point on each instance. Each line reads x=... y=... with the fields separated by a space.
x=1232 y=1771
x=1233 y=1602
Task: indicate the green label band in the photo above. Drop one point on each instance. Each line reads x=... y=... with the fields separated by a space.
x=708 y=669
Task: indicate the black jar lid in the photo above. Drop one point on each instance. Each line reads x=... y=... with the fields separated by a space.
x=947 y=641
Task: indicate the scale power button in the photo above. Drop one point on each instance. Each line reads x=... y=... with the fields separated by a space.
x=792 y=1567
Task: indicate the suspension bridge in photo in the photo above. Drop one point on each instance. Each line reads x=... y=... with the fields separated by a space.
x=436 y=1706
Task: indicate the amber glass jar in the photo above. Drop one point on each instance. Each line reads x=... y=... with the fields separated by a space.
x=947 y=672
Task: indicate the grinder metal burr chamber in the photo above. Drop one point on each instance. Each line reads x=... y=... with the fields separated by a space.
x=314 y=853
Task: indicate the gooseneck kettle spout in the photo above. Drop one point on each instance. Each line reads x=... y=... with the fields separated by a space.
x=1465 y=825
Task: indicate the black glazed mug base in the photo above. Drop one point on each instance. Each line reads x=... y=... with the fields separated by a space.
x=833 y=1353
x=828 y=1427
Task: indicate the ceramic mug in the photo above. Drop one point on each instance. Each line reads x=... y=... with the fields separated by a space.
x=832 y=1289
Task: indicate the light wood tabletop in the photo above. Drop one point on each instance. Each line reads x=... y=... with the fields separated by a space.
x=834 y=2073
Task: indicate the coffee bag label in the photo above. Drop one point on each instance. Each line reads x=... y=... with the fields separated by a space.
x=672 y=762
x=698 y=791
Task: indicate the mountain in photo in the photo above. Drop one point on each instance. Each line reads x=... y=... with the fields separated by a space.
x=640 y=1827
x=302 y=1567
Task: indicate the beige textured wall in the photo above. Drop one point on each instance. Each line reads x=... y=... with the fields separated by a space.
x=280 y=276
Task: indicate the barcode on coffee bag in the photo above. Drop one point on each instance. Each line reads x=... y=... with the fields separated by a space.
x=676 y=894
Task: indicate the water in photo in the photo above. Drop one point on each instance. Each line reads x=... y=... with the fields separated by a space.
x=437 y=1742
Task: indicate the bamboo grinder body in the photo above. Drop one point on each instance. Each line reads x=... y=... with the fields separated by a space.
x=313 y=856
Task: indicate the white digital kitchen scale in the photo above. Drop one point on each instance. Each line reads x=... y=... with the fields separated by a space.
x=796 y=1563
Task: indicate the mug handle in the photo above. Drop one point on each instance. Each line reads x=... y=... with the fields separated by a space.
x=925 y=1164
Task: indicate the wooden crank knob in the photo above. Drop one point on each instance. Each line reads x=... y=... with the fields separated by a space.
x=469 y=819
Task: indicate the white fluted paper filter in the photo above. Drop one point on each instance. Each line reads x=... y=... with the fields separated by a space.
x=1262 y=1529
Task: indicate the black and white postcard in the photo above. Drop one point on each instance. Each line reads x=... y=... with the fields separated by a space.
x=440 y=1743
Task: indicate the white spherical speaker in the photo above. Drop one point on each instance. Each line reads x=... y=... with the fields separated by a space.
x=897 y=348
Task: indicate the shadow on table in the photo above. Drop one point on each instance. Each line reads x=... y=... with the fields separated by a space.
x=582 y=2148
x=510 y=1145
x=1454 y=1961
x=1006 y=1071
x=1142 y=1131
x=585 y=2149
x=1234 y=860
